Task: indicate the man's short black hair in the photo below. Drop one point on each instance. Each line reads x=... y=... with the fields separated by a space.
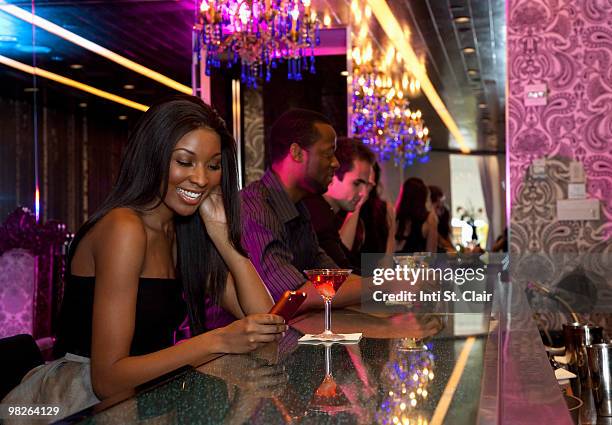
x=349 y=149
x=293 y=126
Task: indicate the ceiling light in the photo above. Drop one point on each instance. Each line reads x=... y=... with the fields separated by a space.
x=462 y=19
x=91 y=46
x=472 y=72
x=128 y=86
x=30 y=89
x=122 y=117
x=482 y=105
x=344 y=73
x=83 y=105
x=468 y=50
x=71 y=83
x=30 y=48
x=76 y=66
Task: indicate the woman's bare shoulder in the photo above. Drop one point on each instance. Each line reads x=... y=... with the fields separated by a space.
x=432 y=218
x=120 y=230
x=118 y=246
x=390 y=210
x=120 y=225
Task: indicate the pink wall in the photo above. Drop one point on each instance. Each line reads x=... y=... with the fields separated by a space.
x=566 y=44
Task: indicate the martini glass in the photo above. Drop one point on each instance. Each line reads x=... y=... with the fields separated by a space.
x=327 y=282
x=329 y=397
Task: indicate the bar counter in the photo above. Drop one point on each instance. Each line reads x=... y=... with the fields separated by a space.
x=409 y=368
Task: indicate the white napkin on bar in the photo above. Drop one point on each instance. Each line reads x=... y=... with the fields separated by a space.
x=348 y=338
x=562 y=374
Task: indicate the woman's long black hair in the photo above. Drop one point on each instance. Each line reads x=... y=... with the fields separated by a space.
x=143 y=181
x=374 y=215
x=412 y=205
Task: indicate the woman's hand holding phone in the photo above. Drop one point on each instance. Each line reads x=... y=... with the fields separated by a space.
x=288 y=304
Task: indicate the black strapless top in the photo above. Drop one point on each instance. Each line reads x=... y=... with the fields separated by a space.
x=415 y=241
x=160 y=309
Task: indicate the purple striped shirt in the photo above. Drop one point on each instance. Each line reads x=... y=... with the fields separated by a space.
x=278 y=236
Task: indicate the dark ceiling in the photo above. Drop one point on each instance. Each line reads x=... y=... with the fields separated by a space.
x=157 y=34
x=472 y=84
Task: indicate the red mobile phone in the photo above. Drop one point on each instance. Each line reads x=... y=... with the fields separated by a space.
x=288 y=304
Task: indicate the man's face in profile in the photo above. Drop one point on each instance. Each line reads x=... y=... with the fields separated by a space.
x=353 y=186
x=321 y=161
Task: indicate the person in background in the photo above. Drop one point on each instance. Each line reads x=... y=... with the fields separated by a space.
x=378 y=217
x=165 y=238
x=335 y=214
x=437 y=198
x=501 y=243
x=276 y=229
x=417 y=226
x=438 y=205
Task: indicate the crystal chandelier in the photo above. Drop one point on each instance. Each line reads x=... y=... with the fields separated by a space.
x=259 y=34
x=382 y=118
x=380 y=112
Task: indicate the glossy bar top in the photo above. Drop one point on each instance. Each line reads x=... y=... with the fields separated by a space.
x=408 y=368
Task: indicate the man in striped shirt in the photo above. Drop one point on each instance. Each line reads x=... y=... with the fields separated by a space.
x=277 y=232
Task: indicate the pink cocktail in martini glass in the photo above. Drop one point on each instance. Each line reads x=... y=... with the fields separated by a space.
x=327 y=282
x=329 y=397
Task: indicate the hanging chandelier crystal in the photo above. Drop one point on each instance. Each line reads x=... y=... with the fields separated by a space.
x=259 y=34
x=380 y=112
x=382 y=118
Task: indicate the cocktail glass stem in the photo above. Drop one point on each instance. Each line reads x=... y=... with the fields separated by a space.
x=328 y=360
x=327 y=316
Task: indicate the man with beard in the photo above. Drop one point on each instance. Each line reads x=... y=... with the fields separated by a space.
x=277 y=231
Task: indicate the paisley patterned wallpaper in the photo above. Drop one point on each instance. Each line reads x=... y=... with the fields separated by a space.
x=17 y=292
x=566 y=44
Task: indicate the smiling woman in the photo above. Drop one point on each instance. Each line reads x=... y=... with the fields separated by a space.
x=195 y=169
x=164 y=240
